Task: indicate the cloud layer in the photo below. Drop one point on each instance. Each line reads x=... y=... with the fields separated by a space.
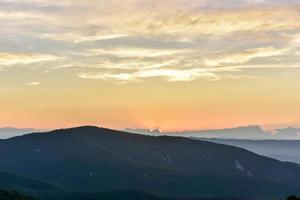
x=177 y=40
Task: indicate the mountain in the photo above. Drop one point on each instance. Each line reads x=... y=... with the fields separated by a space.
x=288 y=133
x=11 y=180
x=116 y=195
x=246 y=132
x=97 y=160
x=12 y=132
x=123 y=195
x=143 y=131
x=240 y=132
x=13 y=195
x=284 y=150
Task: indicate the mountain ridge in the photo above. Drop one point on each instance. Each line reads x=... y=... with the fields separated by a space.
x=255 y=132
x=8 y=132
x=92 y=159
x=284 y=150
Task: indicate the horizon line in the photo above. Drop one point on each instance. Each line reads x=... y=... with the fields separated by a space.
x=265 y=128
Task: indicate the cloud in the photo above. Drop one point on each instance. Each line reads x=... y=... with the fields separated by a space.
x=8 y=59
x=79 y=37
x=35 y=83
x=184 y=22
x=20 y=15
x=138 y=52
x=141 y=39
x=168 y=19
x=99 y=37
x=245 y=56
x=41 y=2
x=167 y=74
x=135 y=64
x=224 y=23
x=296 y=39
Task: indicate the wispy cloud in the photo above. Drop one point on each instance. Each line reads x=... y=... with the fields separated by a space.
x=174 y=39
x=219 y=23
x=35 y=83
x=137 y=52
x=245 y=56
x=80 y=37
x=167 y=74
x=8 y=59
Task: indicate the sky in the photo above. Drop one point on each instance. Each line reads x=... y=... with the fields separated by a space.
x=167 y=64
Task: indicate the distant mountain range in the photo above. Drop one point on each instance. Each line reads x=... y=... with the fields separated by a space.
x=12 y=132
x=248 y=132
x=284 y=150
x=89 y=162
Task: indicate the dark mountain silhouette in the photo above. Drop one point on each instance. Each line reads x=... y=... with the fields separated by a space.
x=124 y=195
x=14 y=195
x=116 y=195
x=284 y=150
x=96 y=160
x=293 y=197
x=11 y=180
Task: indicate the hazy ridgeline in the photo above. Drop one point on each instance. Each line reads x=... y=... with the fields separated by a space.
x=283 y=144
x=88 y=162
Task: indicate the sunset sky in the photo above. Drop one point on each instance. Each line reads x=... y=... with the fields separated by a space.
x=167 y=64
